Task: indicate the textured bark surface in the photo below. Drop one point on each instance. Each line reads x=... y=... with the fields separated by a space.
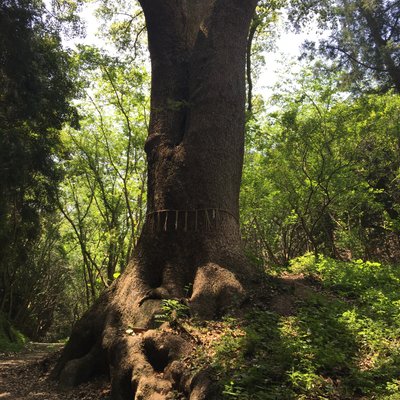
x=191 y=236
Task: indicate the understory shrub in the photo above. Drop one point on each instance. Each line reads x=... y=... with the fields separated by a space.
x=342 y=341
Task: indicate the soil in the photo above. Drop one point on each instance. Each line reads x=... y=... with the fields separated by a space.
x=293 y=287
x=25 y=376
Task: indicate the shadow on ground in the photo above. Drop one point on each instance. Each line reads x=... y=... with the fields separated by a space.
x=306 y=342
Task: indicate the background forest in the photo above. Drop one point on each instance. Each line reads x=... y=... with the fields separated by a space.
x=320 y=194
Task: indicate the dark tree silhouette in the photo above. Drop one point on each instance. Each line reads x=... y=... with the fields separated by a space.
x=35 y=89
x=364 y=38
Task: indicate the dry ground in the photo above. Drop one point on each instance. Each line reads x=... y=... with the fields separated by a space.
x=24 y=376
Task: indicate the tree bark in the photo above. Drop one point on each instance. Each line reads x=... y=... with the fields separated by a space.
x=191 y=235
x=382 y=49
x=253 y=29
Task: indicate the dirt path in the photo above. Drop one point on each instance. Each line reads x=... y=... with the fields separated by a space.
x=24 y=376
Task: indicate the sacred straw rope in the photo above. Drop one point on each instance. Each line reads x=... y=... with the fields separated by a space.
x=216 y=210
x=215 y=215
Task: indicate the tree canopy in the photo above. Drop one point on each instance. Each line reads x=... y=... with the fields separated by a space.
x=363 y=35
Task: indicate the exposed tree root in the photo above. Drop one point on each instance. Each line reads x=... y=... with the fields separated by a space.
x=215 y=289
x=119 y=336
x=149 y=367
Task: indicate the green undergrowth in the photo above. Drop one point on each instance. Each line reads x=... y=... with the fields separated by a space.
x=11 y=340
x=340 y=341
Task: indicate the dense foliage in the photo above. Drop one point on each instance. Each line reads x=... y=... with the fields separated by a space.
x=322 y=174
x=364 y=36
x=36 y=86
x=102 y=197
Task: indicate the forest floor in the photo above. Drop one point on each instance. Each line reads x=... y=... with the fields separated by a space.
x=321 y=329
x=25 y=376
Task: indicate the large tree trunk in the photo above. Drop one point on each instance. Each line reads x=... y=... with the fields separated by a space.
x=191 y=235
